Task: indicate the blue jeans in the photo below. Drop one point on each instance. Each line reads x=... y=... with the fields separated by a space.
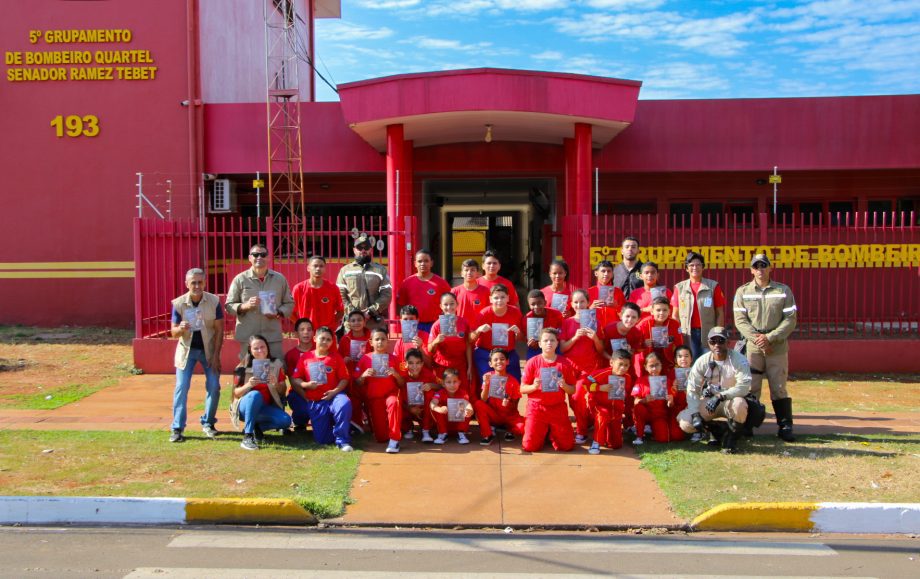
x=184 y=382
x=533 y=352
x=481 y=361
x=255 y=412
x=696 y=343
x=330 y=419
x=425 y=326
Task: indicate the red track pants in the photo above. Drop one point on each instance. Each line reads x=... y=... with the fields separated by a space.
x=386 y=417
x=541 y=419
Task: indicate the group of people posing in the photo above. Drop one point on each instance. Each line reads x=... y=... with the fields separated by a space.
x=627 y=354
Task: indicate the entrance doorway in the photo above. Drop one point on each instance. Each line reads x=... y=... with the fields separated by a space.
x=469 y=232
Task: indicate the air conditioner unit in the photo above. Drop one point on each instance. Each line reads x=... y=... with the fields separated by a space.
x=222 y=198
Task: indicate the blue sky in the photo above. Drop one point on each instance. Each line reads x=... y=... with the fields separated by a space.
x=678 y=49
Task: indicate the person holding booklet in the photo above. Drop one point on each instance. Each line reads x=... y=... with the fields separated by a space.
x=581 y=346
x=558 y=293
x=448 y=341
x=683 y=361
x=259 y=298
x=303 y=328
x=318 y=395
x=498 y=403
x=198 y=322
x=420 y=384
x=540 y=317
x=258 y=394
x=622 y=334
x=660 y=334
x=318 y=299
x=377 y=373
x=352 y=346
x=471 y=296
x=607 y=389
x=653 y=396
x=605 y=297
x=546 y=380
x=422 y=290
x=490 y=278
x=650 y=289
x=451 y=409
x=411 y=335
x=498 y=326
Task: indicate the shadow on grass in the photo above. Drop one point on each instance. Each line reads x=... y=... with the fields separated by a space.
x=843 y=377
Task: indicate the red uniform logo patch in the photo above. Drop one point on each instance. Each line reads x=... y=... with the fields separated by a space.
x=325 y=300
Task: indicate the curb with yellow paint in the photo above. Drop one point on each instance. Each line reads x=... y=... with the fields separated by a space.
x=900 y=518
x=28 y=510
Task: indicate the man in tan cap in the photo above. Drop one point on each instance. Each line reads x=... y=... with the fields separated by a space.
x=765 y=314
x=365 y=285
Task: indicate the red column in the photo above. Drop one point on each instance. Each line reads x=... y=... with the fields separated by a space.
x=396 y=149
x=583 y=206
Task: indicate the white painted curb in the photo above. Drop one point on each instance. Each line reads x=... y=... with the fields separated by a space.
x=92 y=510
x=867 y=518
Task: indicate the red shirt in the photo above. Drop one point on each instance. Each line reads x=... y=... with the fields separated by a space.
x=642 y=389
x=345 y=345
x=551 y=319
x=400 y=348
x=512 y=293
x=611 y=332
x=291 y=358
x=718 y=302
x=512 y=317
x=583 y=355
x=377 y=386
x=470 y=302
x=593 y=381
x=610 y=312
x=334 y=367
x=319 y=304
x=643 y=298
x=532 y=372
x=440 y=398
x=567 y=290
x=667 y=353
x=424 y=295
x=512 y=392
x=426 y=376
x=451 y=353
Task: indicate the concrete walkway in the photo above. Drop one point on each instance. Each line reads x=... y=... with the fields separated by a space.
x=469 y=485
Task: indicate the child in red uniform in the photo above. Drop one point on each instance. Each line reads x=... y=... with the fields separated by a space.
x=422 y=290
x=683 y=361
x=652 y=393
x=490 y=278
x=650 y=290
x=451 y=409
x=303 y=327
x=582 y=347
x=417 y=376
x=318 y=299
x=660 y=334
x=549 y=317
x=499 y=320
x=622 y=334
x=471 y=297
x=607 y=389
x=381 y=387
x=354 y=344
x=558 y=294
x=547 y=379
x=604 y=297
x=419 y=342
x=498 y=403
x=450 y=347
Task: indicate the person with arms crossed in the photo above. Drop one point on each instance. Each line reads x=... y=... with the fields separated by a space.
x=365 y=285
x=626 y=273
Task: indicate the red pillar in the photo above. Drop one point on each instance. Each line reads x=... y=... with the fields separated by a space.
x=582 y=203
x=396 y=156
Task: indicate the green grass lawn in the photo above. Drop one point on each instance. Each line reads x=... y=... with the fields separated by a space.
x=862 y=468
x=145 y=464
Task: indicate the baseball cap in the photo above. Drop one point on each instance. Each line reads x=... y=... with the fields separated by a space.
x=717 y=331
x=362 y=240
x=760 y=258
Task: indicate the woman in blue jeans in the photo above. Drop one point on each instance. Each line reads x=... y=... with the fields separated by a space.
x=259 y=394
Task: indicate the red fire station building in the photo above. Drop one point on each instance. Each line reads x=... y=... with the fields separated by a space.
x=160 y=110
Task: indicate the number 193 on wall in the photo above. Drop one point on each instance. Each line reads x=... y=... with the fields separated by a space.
x=75 y=126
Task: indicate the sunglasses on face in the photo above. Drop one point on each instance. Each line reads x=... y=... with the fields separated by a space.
x=259 y=254
x=715 y=341
x=760 y=265
x=363 y=248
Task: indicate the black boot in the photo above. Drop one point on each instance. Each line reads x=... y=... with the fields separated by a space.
x=782 y=408
x=730 y=439
x=717 y=430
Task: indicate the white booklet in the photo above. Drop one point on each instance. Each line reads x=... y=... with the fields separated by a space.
x=534 y=327
x=456 y=409
x=416 y=396
x=680 y=379
x=588 y=319
x=194 y=318
x=317 y=372
x=381 y=364
x=268 y=303
x=550 y=378
x=409 y=330
x=560 y=302
x=605 y=293
x=660 y=338
x=658 y=387
x=617 y=387
x=448 y=324
x=620 y=344
x=498 y=386
x=260 y=370
x=356 y=349
x=500 y=334
x=659 y=291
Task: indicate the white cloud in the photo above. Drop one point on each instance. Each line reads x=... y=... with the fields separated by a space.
x=429 y=43
x=625 y=4
x=387 y=4
x=683 y=80
x=341 y=30
x=547 y=55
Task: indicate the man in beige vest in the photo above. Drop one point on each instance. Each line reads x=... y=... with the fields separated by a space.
x=698 y=304
x=198 y=322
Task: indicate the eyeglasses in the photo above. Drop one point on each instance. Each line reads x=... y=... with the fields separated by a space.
x=363 y=247
x=259 y=254
x=760 y=265
x=715 y=341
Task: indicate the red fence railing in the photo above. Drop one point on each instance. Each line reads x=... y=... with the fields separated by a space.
x=165 y=250
x=853 y=275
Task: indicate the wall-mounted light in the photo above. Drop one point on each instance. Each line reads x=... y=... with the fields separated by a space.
x=488 y=138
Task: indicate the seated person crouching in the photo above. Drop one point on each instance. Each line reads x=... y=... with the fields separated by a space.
x=257 y=396
x=719 y=380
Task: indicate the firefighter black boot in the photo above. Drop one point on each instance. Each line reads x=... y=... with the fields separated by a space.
x=782 y=408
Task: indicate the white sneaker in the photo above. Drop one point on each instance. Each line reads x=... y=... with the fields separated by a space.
x=631 y=430
x=595 y=448
x=462 y=439
x=393 y=447
x=441 y=439
x=409 y=435
x=638 y=441
x=426 y=436
x=580 y=439
x=648 y=428
x=696 y=437
x=346 y=447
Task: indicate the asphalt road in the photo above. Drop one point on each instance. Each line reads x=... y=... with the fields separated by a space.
x=230 y=552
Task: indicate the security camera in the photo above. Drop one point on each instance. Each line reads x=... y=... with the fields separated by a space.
x=208 y=176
